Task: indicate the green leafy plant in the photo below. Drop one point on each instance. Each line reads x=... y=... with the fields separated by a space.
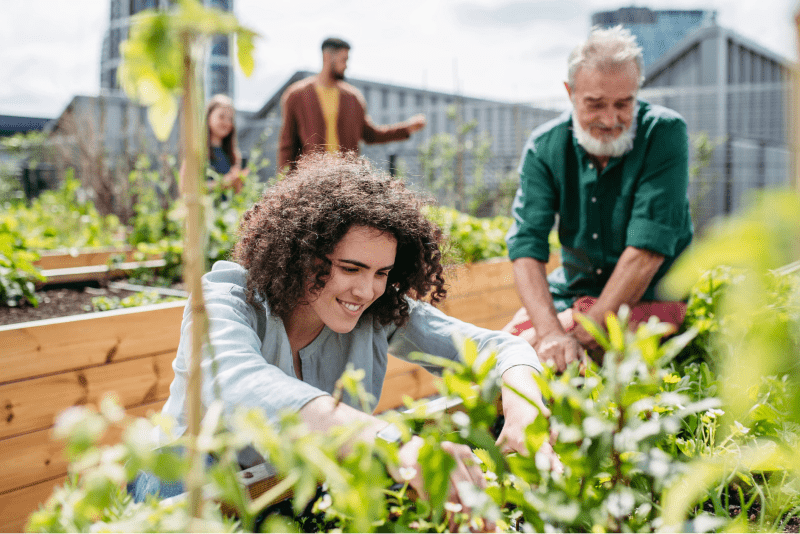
x=17 y=271
x=753 y=320
x=471 y=238
x=65 y=218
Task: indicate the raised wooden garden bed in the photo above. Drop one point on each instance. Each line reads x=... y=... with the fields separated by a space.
x=48 y=366
x=84 y=265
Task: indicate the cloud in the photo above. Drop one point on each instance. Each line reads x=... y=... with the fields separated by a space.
x=518 y=13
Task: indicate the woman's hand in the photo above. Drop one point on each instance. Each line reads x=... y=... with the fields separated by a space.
x=234 y=178
x=466 y=470
x=519 y=412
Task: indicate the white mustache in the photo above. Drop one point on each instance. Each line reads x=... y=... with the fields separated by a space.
x=617 y=126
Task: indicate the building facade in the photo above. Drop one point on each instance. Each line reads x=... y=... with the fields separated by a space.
x=502 y=127
x=219 y=75
x=656 y=31
x=737 y=94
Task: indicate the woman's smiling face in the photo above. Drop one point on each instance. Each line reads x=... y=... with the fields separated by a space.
x=360 y=265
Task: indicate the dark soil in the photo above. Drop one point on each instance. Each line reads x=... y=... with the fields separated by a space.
x=59 y=301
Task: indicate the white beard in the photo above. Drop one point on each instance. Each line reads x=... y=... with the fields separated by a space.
x=613 y=148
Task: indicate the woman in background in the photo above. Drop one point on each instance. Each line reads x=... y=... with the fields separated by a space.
x=223 y=155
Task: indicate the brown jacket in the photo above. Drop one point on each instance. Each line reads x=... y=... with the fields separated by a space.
x=303 y=128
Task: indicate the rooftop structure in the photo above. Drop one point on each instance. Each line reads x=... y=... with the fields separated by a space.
x=737 y=93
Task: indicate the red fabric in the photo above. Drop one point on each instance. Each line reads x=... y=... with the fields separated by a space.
x=667 y=311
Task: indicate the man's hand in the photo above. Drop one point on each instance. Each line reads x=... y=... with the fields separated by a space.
x=416 y=123
x=558 y=350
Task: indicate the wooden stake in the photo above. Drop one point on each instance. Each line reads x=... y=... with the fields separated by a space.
x=192 y=260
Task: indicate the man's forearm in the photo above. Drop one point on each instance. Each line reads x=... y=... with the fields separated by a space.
x=631 y=277
x=530 y=278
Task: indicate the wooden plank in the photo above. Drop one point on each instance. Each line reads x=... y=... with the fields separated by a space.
x=479 y=277
x=39 y=348
x=487 y=275
x=62 y=259
x=416 y=383
x=34 y=457
x=16 y=506
x=88 y=273
x=30 y=405
x=480 y=307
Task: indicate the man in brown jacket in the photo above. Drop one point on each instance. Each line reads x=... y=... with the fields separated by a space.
x=324 y=112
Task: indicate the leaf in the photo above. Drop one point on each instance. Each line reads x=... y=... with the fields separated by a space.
x=244 y=51
x=615 y=333
x=486 y=458
x=594 y=330
x=162 y=115
x=436 y=466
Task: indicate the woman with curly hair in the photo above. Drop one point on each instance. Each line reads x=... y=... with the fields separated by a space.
x=329 y=270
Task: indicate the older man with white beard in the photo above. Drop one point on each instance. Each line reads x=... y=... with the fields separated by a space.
x=615 y=171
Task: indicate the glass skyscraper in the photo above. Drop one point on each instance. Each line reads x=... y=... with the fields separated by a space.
x=655 y=31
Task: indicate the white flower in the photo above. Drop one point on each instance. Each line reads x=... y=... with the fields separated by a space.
x=461 y=419
x=324 y=502
x=491 y=476
x=408 y=473
x=620 y=504
x=741 y=428
x=453 y=507
x=714 y=412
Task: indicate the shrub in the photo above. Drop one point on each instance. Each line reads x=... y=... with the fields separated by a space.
x=17 y=272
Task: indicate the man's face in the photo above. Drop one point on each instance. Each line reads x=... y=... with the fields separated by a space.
x=339 y=62
x=605 y=101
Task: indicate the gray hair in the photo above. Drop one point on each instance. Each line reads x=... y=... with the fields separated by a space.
x=606 y=49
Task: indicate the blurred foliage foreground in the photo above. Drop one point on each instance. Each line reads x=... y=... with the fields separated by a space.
x=694 y=432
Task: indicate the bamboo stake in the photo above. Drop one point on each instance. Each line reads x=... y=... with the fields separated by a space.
x=192 y=260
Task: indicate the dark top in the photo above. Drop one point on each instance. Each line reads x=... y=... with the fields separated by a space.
x=219 y=160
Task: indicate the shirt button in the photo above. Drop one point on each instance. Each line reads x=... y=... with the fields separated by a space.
x=591 y=165
x=594 y=199
x=599 y=271
x=594 y=236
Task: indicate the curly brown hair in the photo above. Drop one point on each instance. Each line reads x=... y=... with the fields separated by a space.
x=286 y=237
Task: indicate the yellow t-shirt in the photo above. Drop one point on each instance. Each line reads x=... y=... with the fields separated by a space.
x=329 y=101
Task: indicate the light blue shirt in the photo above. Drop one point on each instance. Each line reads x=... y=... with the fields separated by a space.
x=254 y=361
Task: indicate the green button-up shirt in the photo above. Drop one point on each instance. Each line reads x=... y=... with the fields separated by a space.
x=637 y=200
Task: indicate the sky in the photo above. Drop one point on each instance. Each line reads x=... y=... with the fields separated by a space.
x=508 y=50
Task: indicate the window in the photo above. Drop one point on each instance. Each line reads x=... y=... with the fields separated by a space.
x=219 y=46
x=224 y=5
x=366 y=95
x=384 y=98
x=218 y=82
x=115 y=39
x=402 y=99
x=116 y=9
x=140 y=5
x=419 y=100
